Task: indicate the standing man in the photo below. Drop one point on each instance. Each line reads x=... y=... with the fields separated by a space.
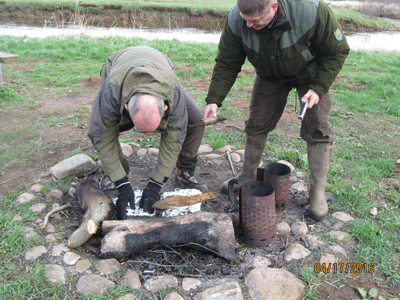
x=140 y=90
x=291 y=44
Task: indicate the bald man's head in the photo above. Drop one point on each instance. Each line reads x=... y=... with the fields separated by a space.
x=146 y=111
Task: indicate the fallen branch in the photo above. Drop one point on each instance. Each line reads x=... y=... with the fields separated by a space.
x=46 y=217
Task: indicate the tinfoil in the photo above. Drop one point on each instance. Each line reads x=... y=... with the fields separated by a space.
x=168 y=213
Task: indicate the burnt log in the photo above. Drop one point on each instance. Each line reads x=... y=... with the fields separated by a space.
x=207 y=231
x=96 y=206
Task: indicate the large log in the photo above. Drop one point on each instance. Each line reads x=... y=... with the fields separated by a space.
x=210 y=231
x=96 y=206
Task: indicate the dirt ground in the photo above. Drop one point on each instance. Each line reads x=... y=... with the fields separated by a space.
x=179 y=261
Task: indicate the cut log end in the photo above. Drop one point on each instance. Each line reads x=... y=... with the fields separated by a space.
x=91 y=227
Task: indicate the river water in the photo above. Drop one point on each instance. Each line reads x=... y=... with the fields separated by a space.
x=378 y=41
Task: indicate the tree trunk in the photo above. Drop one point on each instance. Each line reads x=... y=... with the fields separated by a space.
x=208 y=231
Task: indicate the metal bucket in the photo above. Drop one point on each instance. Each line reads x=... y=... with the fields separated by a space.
x=257 y=213
x=278 y=175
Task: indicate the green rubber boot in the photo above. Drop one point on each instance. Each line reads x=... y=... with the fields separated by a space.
x=253 y=152
x=319 y=157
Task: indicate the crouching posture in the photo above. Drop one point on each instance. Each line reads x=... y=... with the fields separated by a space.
x=139 y=90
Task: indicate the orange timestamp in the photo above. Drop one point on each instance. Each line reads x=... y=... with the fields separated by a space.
x=344 y=268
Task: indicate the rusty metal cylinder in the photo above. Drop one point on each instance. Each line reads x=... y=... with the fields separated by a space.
x=278 y=175
x=257 y=213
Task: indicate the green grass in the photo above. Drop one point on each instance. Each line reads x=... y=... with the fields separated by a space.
x=365 y=118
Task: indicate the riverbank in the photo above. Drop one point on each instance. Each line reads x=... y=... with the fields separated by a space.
x=155 y=15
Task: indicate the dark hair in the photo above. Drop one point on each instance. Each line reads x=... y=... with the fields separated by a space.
x=250 y=7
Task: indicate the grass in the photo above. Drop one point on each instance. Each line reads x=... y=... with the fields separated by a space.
x=365 y=118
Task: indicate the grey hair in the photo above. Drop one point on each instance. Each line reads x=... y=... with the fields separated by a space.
x=134 y=104
x=250 y=7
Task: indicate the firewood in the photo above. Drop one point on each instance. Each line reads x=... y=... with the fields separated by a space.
x=96 y=206
x=202 y=230
x=179 y=201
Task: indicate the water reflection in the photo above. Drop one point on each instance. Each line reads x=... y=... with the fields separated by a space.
x=380 y=41
x=184 y=35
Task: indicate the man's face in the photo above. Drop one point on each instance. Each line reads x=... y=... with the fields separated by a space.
x=258 y=20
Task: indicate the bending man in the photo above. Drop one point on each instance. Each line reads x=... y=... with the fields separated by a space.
x=139 y=89
x=291 y=44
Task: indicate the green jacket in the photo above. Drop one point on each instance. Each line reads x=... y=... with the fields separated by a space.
x=126 y=72
x=303 y=45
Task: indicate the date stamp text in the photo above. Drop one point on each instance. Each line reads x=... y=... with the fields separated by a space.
x=344 y=268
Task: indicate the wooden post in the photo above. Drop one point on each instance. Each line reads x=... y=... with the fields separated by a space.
x=6 y=58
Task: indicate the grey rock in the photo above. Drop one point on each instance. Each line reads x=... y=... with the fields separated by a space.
x=25 y=197
x=153 y=151
x=108 y=266
x=35 y=252
x=373 y=211
x=127 y=297
x=173 y=296
x=17 y=218
x=229 y=290
x=260 y=261
x=339 y=235
x=299 y=186
x=240 y=152
x=126 y=149
x=71 y=192
x=52 y=238
x=54 y=273
x=141 y=153
x=57 y=250
x=226 y=148
x=312 y=241
x=158 y=283
x=93 y=284
x=189 y=284
x=337 y=226
x=300 y=174
x=131 y=279
x=205 y=148
x=79 y=163
x=30 y=233
x=338 y=250
x=342 y=216
x=83 y=265
x=50 y=228
x=36 y=188
x=55 y=194
x=296 y=251
x=327 y=261
x=299 y=229
x=283 y=228
x=235 y=157
x=70 y=258
x=273 y=284
x=38 y=208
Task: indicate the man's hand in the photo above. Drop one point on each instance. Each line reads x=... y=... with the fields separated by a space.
x=210 y=110
x=126 y=195
x=150 y=195
x=311 y=97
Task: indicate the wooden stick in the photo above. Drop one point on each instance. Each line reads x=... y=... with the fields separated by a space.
x=46 y=218
x=179 y=201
